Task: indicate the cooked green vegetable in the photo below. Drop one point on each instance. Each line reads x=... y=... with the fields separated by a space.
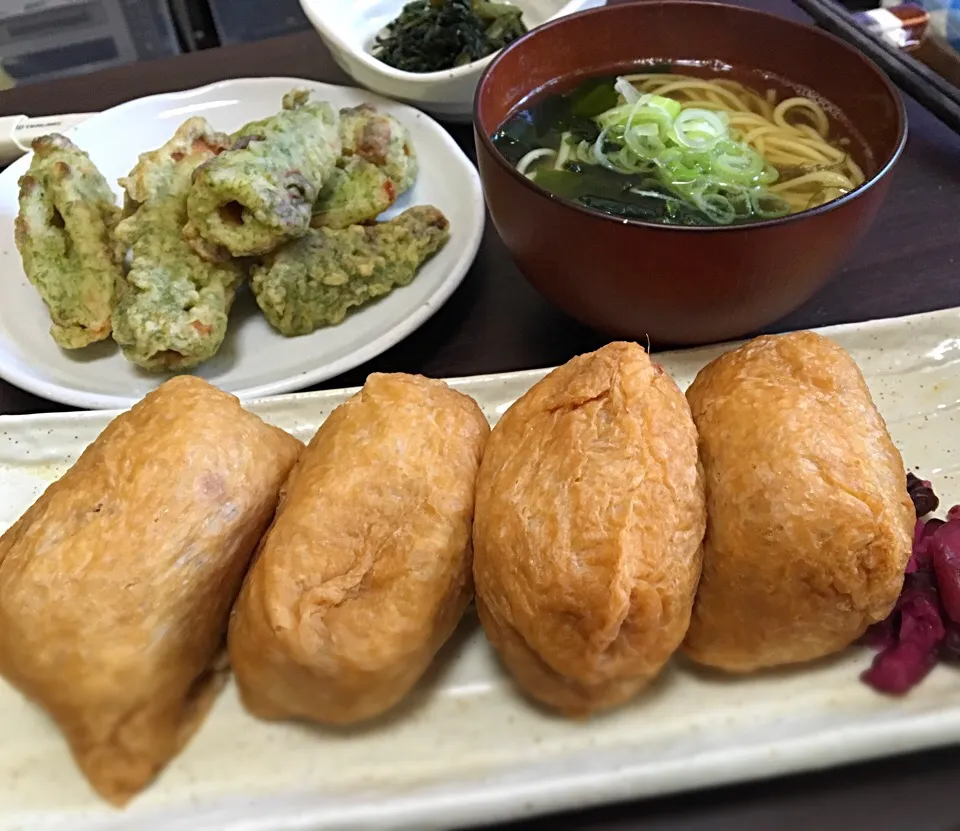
x=433 y=35
x=64 y=235
x=315 y=280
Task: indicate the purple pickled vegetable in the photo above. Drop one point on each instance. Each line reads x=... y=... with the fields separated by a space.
x=922 y=557
x=946 y=564
x=925 y=501
x=882 y=635
x=950 y=648
x=925 y=625
x=920 y=621
x=922 y=580
x=918 y=531
x=897 y=670
x=930 y=527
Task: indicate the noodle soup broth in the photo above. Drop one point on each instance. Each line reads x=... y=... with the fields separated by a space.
x=685 y=143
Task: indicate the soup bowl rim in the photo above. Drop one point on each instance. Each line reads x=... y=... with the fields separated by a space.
x=571 y=20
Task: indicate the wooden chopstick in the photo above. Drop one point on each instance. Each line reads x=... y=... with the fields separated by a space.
x=920 y=82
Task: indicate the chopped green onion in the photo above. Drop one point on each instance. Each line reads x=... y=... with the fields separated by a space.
x=716 y=207
x=688 y=154
x=699 y=129
x=769 y=205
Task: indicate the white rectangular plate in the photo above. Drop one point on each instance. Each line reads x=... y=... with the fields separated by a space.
x=467 y=749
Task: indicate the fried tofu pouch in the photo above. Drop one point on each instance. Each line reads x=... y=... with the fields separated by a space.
x=365 y=572
x=590 y=517
x=116 y=585
x=809 y=522
x=64 y=233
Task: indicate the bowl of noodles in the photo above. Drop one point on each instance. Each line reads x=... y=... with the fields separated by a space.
x=681 y=170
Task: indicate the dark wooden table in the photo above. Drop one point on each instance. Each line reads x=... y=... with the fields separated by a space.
x=496 y=322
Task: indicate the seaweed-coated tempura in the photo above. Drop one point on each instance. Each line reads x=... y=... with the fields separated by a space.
x=378 y=165
x=151 y=176
x=356 y=193
x=381 y=140
x=313 y=281
x=64 y=236
x=260 y=193
x=173 y=305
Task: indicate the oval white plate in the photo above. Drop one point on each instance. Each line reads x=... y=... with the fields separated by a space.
x=254 y=360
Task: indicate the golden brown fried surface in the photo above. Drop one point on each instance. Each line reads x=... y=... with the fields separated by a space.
x=365 y=571
x=590 y=516
x=116 y=585
x=809 y=522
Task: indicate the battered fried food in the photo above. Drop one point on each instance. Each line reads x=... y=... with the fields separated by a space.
x=261 y=192
x=314 y=281
x=151 y=177
x=64 y=236
x=589 y=522
x=809 y=521
x=365 y=571
x=355 y=194
x=378 y=165
x=116 y=585
x=381 y=140
x=172 y=306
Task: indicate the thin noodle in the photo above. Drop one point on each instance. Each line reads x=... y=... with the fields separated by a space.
x=820 y=177
x=534 y=156
x=565 y=150
x=790 y=147
x=715 y=99
x=821 y=121
x=706 y=105
x=756 y=132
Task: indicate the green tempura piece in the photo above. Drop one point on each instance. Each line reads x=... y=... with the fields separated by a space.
x=64 y=235
x=173 y=305
x=260 y=193
x=381 y=140
x=313 y=281
x=378 y=165
x=355 y=194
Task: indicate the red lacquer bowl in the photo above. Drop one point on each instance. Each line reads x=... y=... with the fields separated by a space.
x=681 y=285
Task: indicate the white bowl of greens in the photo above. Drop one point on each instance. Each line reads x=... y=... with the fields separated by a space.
x=351 y=29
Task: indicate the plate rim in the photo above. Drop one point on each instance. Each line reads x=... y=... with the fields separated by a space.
x=71 y=396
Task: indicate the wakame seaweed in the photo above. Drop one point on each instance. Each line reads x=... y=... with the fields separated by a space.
x=615 y=194
x=433 y=35
x=544 y=124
